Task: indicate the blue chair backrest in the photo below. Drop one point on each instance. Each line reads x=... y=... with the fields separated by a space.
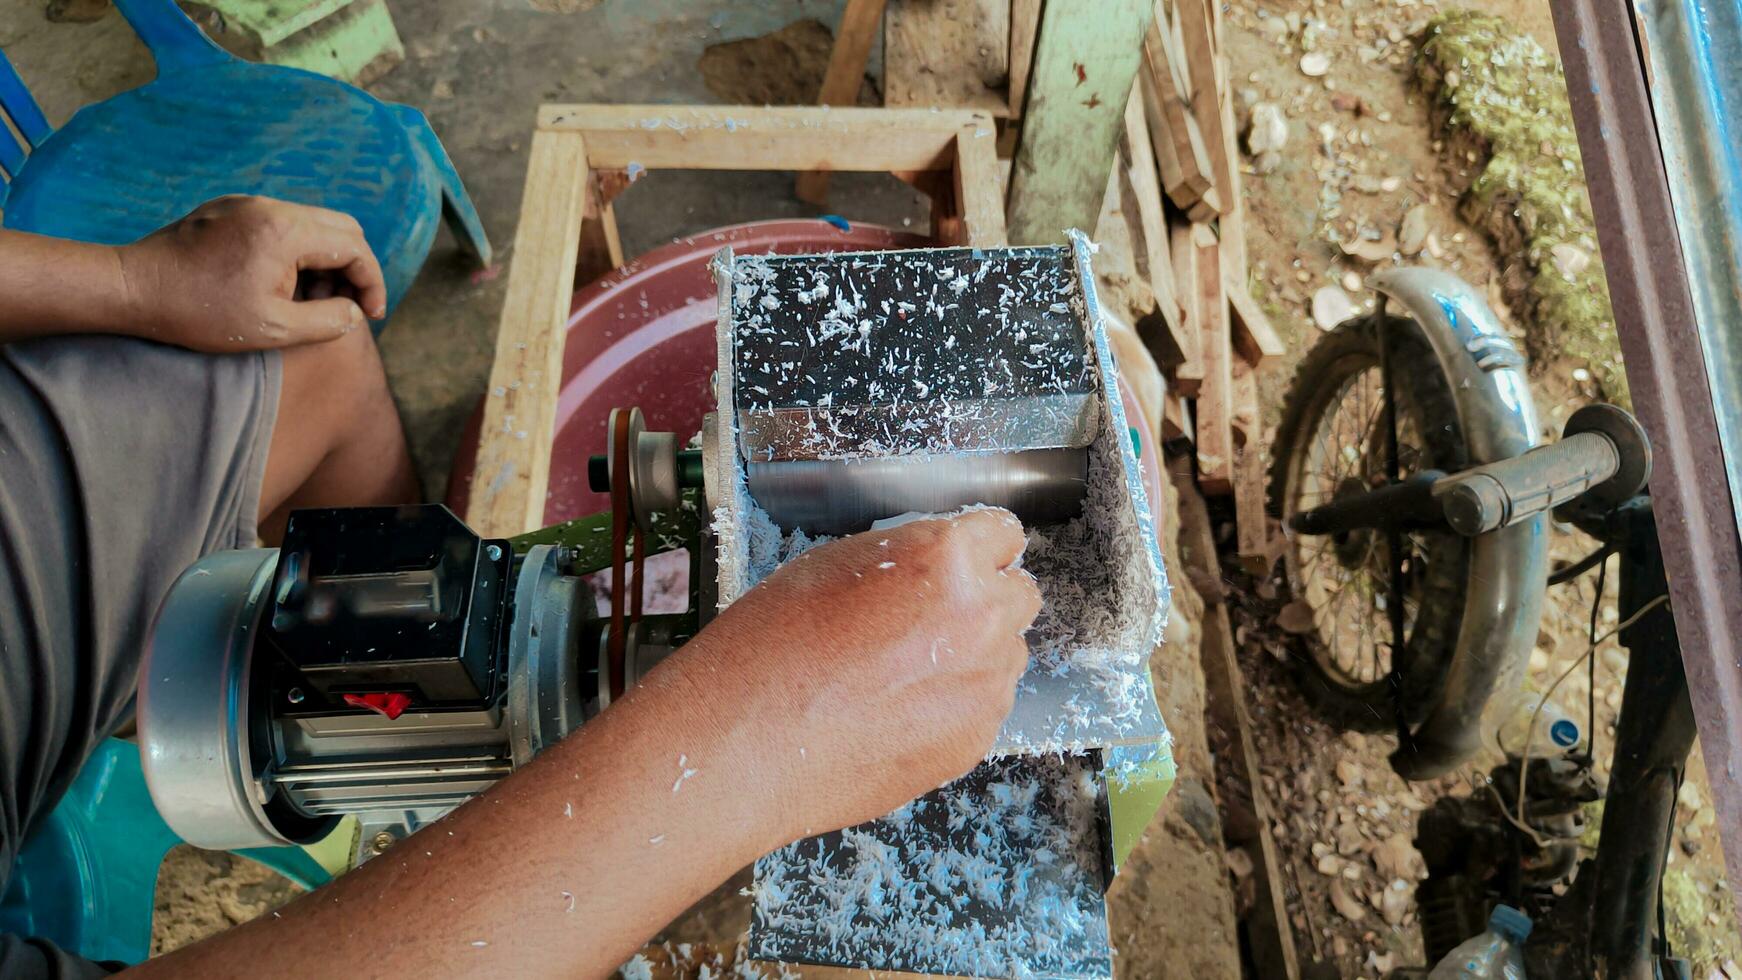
x=21 y=111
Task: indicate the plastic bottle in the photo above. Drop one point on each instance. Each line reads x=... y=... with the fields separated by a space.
x=1556 y=732
x=1497 y=954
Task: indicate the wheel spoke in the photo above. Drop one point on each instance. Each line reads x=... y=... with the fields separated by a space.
x=1366 y=589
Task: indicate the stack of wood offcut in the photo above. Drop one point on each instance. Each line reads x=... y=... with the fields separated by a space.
x=1176 y=187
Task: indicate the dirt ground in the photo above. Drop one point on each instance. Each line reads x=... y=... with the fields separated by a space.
x=200 y=893
x=1361 y=155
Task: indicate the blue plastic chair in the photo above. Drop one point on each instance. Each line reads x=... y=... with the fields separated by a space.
x=211 y=124
x=86 y=876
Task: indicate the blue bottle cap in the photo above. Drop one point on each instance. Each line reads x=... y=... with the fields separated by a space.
x=1564 y=733
x=1509 y=923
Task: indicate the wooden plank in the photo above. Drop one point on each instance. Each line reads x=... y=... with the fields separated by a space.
x=601 y=250
x=1124 y=290
x=1187 y=361
x=1253 y=336
x=1084 y=63
x=1176 y=419
x=1206 y=81
x=1268 y=931
x=842 y=80
x=510 y=478
x=1215 y=404
x=979 y=187
x=1252 y=525
x=946 y=214
x=1139 y=372
x=1024 y=26
x=610 y=183
x=1156 y=262
x=1161 y=139
x=656 y=137
x=951 y=54
x=1233 y=223
x=1182 y=157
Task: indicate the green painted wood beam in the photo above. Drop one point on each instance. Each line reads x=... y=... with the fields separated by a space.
x=1085 y=60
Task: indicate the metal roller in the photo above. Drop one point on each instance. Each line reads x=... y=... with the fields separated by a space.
x=1041 y=486
x=868 y=386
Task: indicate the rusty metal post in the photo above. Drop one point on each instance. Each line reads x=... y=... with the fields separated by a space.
x=1661 y=344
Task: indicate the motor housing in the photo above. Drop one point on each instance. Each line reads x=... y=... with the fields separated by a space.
x=387 y=663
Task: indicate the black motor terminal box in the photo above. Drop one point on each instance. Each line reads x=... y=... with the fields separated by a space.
x=386 y=600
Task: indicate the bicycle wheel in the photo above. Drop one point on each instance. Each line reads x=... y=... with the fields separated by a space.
x=1331 y=443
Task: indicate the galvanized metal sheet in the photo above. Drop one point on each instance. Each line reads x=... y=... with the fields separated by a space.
x=1002 y=873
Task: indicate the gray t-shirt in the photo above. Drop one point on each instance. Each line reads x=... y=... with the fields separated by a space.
x=121 y=461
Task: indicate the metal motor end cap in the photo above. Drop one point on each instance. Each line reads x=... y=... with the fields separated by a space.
x=194 y=719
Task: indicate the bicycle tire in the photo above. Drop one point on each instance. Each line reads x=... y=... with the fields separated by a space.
x=1317 y=387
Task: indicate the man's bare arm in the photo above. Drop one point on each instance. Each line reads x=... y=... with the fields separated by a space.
x=859 y=676
x=52 y=286
x=238 y=273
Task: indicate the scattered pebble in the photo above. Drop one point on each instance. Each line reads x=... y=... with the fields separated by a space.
x=1343 y=900
x=1331 y=306
x=1297 y=617
x=1268 y=130
x=1394 y=901
x=1314 y=64
x=1570 y=260
x=1373 y=250
x=1412 y=233
x=1396 y=857
x=1349 y=773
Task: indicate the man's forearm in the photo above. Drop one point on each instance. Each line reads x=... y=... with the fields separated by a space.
x=51 y=286
x=562 y=869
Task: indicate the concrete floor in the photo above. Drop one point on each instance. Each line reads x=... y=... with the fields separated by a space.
x=479 y=69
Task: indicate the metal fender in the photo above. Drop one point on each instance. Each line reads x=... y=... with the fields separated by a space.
x=1509 y=567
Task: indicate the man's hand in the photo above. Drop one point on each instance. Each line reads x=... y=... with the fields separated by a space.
x=870 y=670
x=246 y=273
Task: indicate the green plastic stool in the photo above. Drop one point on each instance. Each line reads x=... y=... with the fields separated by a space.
x=86 y=876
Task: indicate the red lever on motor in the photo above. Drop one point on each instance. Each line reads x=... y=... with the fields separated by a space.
x=389 y=703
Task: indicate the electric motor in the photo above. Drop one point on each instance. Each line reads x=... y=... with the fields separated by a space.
x=386 y=662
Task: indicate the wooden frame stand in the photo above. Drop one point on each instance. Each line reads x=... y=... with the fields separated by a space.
x=583 y=155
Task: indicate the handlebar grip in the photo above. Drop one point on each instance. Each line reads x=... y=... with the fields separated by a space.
x=1502 y=493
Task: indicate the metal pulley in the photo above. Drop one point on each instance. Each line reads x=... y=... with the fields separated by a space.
x=656 y=471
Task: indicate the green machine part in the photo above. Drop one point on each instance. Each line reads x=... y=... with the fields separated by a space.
x=589 y=537
x=1138 y=780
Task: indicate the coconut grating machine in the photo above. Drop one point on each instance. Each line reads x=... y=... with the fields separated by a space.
x=388 y=663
